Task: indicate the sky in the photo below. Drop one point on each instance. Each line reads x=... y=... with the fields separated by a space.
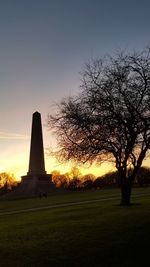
x=44 y=45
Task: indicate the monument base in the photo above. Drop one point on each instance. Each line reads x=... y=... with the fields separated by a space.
x=36 y=184
x=33 y=186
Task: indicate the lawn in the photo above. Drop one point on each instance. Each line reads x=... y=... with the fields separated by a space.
x=93 y=234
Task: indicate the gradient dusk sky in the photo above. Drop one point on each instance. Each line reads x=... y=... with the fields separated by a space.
x=43 y=47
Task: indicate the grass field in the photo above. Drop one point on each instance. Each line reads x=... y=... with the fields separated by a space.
x=90 y=234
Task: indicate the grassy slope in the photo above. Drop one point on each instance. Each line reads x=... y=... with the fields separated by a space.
x=96 y=234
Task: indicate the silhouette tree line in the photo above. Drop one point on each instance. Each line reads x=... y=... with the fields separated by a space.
x=76 y=181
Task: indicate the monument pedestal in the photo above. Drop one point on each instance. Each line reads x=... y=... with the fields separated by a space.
x=36 y=184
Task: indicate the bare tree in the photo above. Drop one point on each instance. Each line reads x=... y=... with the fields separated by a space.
x=110 y=118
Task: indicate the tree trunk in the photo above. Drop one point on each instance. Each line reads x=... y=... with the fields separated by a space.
x=126 y=187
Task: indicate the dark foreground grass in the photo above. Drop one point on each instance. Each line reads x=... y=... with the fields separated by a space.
x=97 y=234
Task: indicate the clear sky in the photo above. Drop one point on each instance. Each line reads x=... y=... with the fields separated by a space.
x=43 y=47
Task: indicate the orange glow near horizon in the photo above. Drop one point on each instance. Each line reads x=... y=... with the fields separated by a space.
x=95 y=170
x=19 y=167
x=16 y=160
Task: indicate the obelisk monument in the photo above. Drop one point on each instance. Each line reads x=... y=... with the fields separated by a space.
x=36 y=162
x=36 y=181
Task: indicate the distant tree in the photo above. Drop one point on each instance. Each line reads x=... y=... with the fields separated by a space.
x=99 y=183
x=60 y=180
x=88 y=176
x=7 y=182
x=75 y=173
x=88 y=184
x=75 y=179
x=111 y=179
x=87 y=181
x=70 y=180
x=110 y=118
x=74 y=184
x=56 y=178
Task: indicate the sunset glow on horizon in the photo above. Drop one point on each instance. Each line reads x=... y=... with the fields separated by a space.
x=15 y=159
x=19 y=166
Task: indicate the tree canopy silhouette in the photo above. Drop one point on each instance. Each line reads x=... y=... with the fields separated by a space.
x=7 y=182
x=110 y=118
